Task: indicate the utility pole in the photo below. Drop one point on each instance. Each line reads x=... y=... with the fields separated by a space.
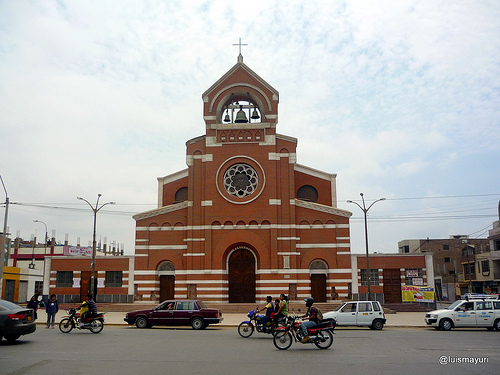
x=95 y=210
x=365 y=211
x=4 y=237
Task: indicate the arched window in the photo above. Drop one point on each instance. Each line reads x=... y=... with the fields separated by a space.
x=307 y=193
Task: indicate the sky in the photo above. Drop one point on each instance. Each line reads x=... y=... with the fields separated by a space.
x=401 y=99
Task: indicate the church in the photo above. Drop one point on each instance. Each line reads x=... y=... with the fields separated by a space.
x=243 y=220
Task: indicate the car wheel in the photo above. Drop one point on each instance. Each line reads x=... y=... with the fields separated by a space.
x=197 y=323
x=141 y=322
x=445 y=324
x=497 y=324
x=377 y=324
x=11 y=338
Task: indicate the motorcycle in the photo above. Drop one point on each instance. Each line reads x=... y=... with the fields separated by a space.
x=95 y=323
x=320 y=335
x=246 y=328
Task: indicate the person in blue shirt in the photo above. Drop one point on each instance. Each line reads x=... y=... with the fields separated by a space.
x=269 y=309
x=51 y=309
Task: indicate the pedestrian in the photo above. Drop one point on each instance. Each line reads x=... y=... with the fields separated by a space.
x=51 y=309
x=33 y=304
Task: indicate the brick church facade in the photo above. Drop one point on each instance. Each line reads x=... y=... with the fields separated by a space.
x=244 y=220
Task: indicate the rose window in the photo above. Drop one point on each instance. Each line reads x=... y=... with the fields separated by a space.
x=240 y=180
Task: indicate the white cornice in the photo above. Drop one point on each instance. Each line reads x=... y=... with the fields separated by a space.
x=160 y=211
x=322 y=208
x=315 y=172
x=173 y=177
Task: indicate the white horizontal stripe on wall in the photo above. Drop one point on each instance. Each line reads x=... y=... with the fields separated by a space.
x=222 y=227
x=161 y=247
x=201 y=282
x=321 y=245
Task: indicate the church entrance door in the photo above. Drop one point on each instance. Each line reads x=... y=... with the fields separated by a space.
x=318 y=287
x=241 y=276
x=167 y=283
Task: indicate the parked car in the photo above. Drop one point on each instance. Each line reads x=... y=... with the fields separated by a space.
x=482 y=312
x=359 y=313
x=15 y=321
x=176 y=313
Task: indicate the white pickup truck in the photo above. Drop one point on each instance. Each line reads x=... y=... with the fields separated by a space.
x=466 y=313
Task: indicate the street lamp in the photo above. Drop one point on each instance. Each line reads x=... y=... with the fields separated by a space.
x=44 y=253
x=95 y=209
x=365 y=211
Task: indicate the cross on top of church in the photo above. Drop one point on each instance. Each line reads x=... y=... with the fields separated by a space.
x=240 y=44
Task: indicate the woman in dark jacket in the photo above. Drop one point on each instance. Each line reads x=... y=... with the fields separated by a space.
x=33 y=304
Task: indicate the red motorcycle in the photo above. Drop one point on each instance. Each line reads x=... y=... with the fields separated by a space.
x=95 y=323
x=320 y=335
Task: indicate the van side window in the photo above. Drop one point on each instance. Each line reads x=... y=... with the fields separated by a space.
x=496 y=304
x=376 y=306
x=365 y=306
x=486 y=305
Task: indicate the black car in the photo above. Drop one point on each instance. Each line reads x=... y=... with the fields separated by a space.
x=175 y=313
x=15 y=321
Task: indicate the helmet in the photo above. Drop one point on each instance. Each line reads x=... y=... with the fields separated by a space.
x=309 y=301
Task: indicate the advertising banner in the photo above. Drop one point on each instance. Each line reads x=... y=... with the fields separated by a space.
x=412 y=293
x=77 y=251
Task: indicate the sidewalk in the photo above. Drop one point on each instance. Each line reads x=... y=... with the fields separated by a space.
x=401 y=319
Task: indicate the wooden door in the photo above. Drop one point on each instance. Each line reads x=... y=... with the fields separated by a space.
x=167 y=284
x=392 y=285
x=241 y=277
x=85 y=285
x=318 y=287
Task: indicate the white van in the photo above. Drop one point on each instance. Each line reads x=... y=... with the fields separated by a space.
x=462 y=313
x=359 y=313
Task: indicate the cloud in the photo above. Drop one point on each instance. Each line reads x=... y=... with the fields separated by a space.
x=100 y=97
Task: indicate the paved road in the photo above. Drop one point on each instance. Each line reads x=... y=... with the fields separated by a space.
x=219 y=350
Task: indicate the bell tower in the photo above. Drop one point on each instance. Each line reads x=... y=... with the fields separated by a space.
x=240 y=107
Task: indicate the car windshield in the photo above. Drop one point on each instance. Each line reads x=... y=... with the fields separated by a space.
x=454 y=305
x=340 y=307
x=201 y=305
x=8 y=305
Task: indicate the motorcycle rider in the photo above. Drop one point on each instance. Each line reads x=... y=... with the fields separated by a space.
x=269 y=309
x=283 y=308
x=88 y=309
x=311 y=315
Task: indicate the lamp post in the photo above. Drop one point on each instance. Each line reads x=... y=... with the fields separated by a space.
x=44 y=254
x=95 y=209
x=365 y=211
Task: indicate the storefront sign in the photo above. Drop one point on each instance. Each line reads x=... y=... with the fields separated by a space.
x=411 y=273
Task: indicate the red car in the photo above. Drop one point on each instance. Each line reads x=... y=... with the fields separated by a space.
x=176 y=313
